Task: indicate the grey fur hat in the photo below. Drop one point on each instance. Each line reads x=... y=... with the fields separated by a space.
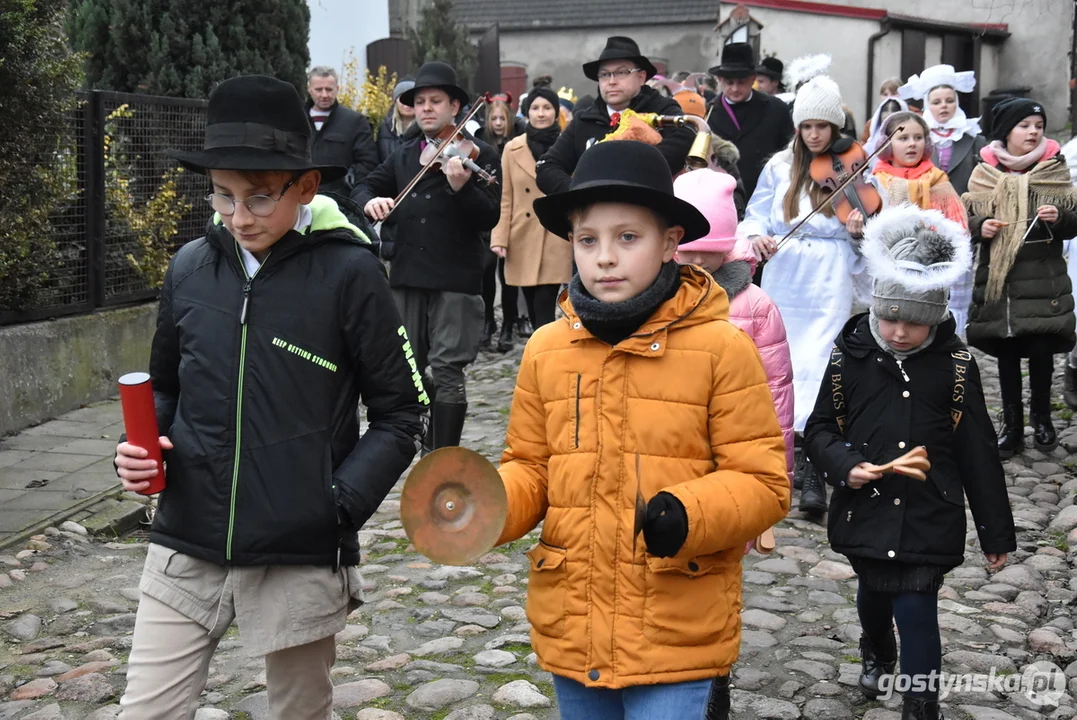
x=914 y=257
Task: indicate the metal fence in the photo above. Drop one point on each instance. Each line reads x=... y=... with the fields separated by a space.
x=92 y=244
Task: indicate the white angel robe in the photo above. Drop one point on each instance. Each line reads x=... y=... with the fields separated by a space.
x=813 y=279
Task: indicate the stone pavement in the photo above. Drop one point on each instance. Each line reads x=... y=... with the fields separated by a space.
x=58 y=470
x=441 y=642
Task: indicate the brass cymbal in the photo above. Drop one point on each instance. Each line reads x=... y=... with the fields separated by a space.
x=453 y=506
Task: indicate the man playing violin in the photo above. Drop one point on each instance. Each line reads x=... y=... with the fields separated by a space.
x=438 y=259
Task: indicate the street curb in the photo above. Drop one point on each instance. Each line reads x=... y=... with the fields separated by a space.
x=118 y=525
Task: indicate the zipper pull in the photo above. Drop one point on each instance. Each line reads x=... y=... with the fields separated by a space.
x=902 y=369
x=246 y=303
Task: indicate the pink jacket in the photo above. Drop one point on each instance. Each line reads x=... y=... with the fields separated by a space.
x=752 y=310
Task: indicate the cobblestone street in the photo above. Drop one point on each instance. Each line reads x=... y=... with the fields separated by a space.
x=447 y=642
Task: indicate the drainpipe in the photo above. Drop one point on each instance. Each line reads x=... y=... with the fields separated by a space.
x=883 y=31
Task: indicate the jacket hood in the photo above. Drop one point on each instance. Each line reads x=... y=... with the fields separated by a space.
x=856 y=338
x=724 y=151
x=326 y=218
x=699 y=300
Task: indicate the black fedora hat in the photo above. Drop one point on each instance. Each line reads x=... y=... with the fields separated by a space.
x=255 y=123
x=738 y=60
x=619 y=48
x=436 y=74
x=623 y=171
x=772 y=68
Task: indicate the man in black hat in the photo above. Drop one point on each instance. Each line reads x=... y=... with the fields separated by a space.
x=768 y=76
x=621 y=72
x=271 y=330
x=439 y=247
x=342 y=136
x=758 y=124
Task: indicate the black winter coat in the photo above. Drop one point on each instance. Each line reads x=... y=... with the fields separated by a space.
x=766 y=127
x=900 y=518
x=438 y=235
x=554 y=170
x=345 y=140
x=389 y=141
x=257 y=383
x=1037 y=304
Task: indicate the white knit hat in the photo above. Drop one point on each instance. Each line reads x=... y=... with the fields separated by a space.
x=819 y=99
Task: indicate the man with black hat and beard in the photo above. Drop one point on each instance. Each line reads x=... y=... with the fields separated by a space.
x=757 y=123
x=621 y=72
x=271 y=329
x=440 y=247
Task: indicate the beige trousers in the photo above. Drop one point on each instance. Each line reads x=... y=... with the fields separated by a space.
x=169 y=665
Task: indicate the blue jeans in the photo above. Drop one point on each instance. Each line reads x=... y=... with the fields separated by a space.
x=676 y=701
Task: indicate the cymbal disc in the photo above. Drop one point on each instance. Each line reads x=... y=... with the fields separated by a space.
x=453 y=506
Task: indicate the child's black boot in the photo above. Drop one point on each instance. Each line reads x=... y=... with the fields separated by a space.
x=718 y=702
x=914 y=708
x=1011 y=436
x=448 y=423
x=1039 y=417
x=876 y=661
x=812 y=490
x=488 y=332
x=504 y=342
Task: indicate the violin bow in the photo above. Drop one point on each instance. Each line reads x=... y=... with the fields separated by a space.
x=480 y=102
x=841 y=186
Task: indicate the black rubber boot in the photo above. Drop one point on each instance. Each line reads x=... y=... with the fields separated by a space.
x=488 y=333
x=812 y=491
x=1043 y=431
x=799 y=461
x=874 y=663
x=718 y=702
x=913 y=708
x=504 y=341
x=523 y=328
x=1011 y=436
x=1069 y=386
x=448 y=423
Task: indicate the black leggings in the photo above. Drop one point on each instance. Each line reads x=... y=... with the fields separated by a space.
x=917 y=616
x=1040 y=368
x=541 y=303
x=489 y=285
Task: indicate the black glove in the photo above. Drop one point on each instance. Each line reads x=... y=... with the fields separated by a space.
x=666 y=526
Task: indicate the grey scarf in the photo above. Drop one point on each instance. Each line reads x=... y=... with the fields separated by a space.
x=898 y=355
x=733 y=277
x=612 y=322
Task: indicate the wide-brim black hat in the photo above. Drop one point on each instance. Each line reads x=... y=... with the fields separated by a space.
x=435 y=74
x=772 y=68
x=621 y=171
x=619 y=48
x=255 y=123
x=738 y=60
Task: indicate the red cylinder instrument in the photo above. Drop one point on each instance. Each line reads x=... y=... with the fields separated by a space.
x=140 y=422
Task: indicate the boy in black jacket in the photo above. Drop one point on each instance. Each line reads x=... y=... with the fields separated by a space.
x=271 y=328
x=901 y=378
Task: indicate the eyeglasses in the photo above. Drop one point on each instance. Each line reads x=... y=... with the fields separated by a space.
x=257 y=205
x=619 y=74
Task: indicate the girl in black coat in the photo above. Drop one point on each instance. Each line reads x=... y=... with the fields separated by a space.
x=891 y=386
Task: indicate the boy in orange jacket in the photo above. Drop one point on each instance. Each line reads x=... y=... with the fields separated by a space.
x=643 y=388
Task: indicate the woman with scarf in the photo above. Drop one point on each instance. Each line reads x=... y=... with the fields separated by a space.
x=1022 y=205
x=535 y=260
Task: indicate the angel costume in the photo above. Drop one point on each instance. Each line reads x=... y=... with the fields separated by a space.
x=810 y=279
x=957 y=144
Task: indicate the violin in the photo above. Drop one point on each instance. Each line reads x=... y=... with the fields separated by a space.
x=449 y=143
x=850 y=176
x=831 y=168
x=444 y=147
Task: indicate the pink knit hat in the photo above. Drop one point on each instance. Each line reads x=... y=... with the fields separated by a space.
x=712 y=194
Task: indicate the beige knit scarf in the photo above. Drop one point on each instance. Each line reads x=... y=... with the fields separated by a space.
x=1013 y=199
